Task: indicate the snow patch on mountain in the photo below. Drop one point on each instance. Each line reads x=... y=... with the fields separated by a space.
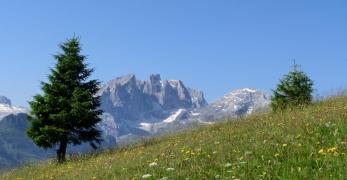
x=146 y=126
x=175 y=116
x=137 y=108
x=175 y=119
x=6 y=108
x=237 y=103
x=141 y=108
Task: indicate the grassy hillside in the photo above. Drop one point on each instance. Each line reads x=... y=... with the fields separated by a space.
x=307 y=143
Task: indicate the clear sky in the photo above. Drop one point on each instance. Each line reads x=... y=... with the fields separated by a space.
x=212 y=45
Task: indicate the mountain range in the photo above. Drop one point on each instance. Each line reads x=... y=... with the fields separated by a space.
x=133 y=109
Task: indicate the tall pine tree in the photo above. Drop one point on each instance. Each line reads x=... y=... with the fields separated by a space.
x=294 y=89
x=67 y=112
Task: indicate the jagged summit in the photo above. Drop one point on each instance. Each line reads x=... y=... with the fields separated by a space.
x=167 y=94
x=130 y=78
x=155 y=79
x=130 y=102
x=137 y=108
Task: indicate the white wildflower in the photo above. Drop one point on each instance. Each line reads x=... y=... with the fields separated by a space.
x=170 y=169
x=154 y=164
x=146 y=176
x=227 y=165
x=247 y=153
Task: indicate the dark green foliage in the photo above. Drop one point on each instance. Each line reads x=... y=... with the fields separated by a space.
x=295 y=89
x=67 y=112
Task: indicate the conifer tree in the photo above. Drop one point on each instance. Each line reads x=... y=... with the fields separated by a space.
x=67 y=112
x=295 y=89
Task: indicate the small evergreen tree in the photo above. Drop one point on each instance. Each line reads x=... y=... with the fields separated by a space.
x=67 y=112
x=294 y=89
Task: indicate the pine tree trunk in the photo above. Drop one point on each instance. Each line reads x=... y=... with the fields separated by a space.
x=61 y=152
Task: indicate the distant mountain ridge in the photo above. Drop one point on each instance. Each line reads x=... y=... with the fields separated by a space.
x=129 y=103
x=136 y=108
x=6 y=108
x=133 y=109
x=237 y=103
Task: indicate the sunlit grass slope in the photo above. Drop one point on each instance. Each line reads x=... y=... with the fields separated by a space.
x=308 y=143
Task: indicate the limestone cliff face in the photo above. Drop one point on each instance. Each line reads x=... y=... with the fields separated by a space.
x=136 y=108
x=130 y=102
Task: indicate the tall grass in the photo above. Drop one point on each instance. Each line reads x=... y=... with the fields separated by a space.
x=306 y=143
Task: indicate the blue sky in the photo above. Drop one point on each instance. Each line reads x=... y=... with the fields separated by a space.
x=211 y=45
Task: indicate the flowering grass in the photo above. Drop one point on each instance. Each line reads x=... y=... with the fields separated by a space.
x=307 y=143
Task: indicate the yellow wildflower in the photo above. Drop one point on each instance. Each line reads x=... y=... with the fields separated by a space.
x=284 y=145
x=332 y=150
x=321 y=152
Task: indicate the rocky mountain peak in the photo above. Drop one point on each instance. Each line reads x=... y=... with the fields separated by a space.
x=128 y=100
x=125 y=80
x=154 y=85
x=239 y=102
x=6 y=108
x=5 y=100
x=155 y=79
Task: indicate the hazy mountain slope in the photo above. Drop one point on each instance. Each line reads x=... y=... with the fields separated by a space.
x=15 y=147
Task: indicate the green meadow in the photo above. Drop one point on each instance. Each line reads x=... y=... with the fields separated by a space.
x=304 y=143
